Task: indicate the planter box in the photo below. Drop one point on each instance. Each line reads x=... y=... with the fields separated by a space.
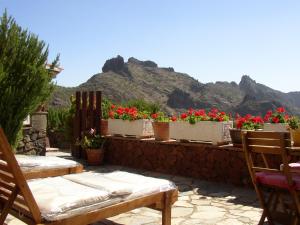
x=215 y=132
x=138 y=128
x=278 y=127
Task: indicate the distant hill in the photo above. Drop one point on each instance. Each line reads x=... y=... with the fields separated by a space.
x=121 y=81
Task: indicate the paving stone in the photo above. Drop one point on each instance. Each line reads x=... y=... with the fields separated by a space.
x=183 y=204
x=181 y=212
x=230 y=222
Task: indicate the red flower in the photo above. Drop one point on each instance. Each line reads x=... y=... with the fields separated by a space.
x=111 y=114
x=286 y=117
x=214 y=110
x=275 y=120
x=267 y=118
x=190 y=111
x=112 y=106
x=173 y=118
x=183 y=116
x=280 y=110
x=154 y=116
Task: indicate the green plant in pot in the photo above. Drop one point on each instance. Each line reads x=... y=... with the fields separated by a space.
x=160 y=125
x=94 y=145
x=294 y=125
x=247 y=122
x=106 y=106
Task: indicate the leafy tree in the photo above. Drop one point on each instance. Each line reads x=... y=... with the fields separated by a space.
x=24 y=81
x=143 y=105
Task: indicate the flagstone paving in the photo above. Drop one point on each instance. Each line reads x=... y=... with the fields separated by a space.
x=200 y=202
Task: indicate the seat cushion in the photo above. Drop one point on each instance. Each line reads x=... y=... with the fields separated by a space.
x=57 y=195
x=98 y=181
x=294 y=167
x=277 y=180
x=28 y=162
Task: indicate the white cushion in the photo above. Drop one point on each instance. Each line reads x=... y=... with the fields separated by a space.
x=28 y=162
x=97 y=180
x=58 y=195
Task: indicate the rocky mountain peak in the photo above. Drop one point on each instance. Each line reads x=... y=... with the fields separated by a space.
x=114 y=64
x=146 y=63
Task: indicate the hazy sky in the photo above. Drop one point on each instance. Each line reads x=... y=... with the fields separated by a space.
x=210 y=40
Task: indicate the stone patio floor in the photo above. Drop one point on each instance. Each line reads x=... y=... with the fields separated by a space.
x=200 y=202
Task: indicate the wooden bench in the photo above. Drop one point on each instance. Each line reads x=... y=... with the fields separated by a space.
x=17 y=199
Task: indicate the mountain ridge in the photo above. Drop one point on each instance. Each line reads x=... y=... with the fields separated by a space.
x=135 y=79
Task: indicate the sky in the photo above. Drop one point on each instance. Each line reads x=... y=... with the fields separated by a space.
x=212 y=40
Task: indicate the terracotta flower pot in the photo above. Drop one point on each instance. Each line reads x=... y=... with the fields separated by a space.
x=236 y=137
x=161 y=131
x=95 y=156
x=104 y=127
x=295 y=137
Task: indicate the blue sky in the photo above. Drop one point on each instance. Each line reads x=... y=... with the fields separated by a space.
x=209 y=40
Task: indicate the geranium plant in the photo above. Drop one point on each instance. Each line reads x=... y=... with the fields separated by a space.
x=160 y=117
x=249 y=122
x=193 y=116
x=126 y=113
x=91 y=140
x=278 y=116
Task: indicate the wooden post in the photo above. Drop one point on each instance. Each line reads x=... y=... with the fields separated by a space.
x=91 y=123
x=84 y=112
x=77 y=120
x=98 y=112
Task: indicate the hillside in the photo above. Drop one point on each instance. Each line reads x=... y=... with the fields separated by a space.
x=135 y=79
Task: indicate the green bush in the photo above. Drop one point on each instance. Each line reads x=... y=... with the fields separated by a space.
x=24 y=81
x=142 y=105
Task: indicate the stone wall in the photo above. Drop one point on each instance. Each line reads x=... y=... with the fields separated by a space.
x=221 y=164
x=33 y=142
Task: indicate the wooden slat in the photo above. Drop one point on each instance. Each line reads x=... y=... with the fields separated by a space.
x=263 y=169
x=267 y=134
x=8 y=177
x=6 y=185
x=267 y=142
x=4 y=168
x=264 y=149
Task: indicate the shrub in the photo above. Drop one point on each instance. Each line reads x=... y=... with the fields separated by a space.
x=142 y=105
x=24 y=81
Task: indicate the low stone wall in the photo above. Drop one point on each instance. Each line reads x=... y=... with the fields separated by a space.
x=221 y=164
x=33 y=142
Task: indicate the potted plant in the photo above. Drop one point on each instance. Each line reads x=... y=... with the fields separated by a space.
x=276 y=121
x=247 y=122
x=93 y=144
x=106 y=106
x=294 y=125
x=160 y=126
x=129 y=121
x=199 y=125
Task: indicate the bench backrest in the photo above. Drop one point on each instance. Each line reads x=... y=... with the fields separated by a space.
x=15 y=195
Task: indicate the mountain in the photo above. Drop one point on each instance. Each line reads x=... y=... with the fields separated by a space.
x=121 y=81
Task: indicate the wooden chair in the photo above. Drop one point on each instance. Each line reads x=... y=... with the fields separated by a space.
x=17 y=199
x=263 y=176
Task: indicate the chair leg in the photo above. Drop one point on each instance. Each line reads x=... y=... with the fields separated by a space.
x=265 y=206
x=166 y=211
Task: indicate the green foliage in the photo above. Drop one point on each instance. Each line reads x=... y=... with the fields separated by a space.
x=24 y=81
x=92 y=140
x=294 y=122
x=160 y=117
x=61 y=119
x=57 y=119
x=105 y=107
x=142 y=105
